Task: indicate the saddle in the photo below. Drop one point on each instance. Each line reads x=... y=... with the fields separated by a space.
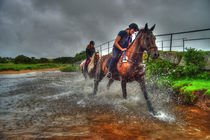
x=124 y=60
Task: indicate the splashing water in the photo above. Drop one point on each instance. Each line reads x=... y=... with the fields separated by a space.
x=164 y=116
x=56 y=104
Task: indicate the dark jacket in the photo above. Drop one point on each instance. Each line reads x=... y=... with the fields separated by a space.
x=90 y=51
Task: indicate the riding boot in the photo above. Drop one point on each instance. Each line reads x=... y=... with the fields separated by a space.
x=110 y=68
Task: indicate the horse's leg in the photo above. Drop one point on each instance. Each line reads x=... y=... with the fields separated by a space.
x=123 y=85
x=84 y=74
x=97 y=79
x=144 y=90
x=110 y=83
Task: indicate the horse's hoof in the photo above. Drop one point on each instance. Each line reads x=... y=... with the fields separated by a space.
x=154 y=113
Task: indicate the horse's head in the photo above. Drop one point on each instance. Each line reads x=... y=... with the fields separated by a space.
x=148 y=43
x=94 y=60
x=97 y=56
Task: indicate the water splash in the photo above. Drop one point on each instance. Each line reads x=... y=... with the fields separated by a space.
x=163 y=116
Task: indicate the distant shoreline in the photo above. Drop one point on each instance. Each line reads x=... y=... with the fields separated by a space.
x=27 y=71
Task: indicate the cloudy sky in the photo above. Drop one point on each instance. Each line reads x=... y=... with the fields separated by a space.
x=54 y=28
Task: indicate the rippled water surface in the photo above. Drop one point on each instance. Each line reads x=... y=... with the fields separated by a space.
x=57 y=105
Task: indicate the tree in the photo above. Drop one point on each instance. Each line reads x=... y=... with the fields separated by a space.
x=43 y=60
x=3 y=60
x=24 y=60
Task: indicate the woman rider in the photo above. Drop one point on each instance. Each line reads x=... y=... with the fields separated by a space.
x=90 y=50
x=121 y=43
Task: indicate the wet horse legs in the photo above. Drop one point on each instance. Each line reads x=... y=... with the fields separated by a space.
x=123 y=85
x=149 y=104
x=110 y=83
x=97 y=79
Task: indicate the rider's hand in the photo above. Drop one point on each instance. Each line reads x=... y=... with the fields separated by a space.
x=124 y=49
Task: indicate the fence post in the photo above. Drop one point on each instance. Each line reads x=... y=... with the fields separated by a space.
x=101 y=50
x=183 y=44
x=108 y=47
x=162 y=45
x=171 y=42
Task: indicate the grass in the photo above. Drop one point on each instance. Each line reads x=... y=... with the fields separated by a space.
x=191 y=85
x=17 y=67
x=71 y=68
x=187 y=88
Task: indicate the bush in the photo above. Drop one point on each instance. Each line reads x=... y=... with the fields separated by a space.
x=193 y=56
x=43 y=60
x=3 y=60
x=193 y=68
x=194 y=62
x=63 y=60
x=21 y=59
x=70 y=68
x=204 y=75
x=160 y=67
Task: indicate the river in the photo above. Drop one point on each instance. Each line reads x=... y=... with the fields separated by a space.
x=57 y=105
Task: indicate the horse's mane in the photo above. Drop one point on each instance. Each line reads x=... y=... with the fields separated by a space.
x=140 y=31
x=91 y=64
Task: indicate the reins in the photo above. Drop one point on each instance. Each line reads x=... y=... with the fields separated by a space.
x=147 y=49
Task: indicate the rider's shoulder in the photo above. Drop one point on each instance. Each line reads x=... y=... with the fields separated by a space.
x=122 y=33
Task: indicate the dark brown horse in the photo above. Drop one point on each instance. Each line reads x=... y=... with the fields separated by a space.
x=131 y=70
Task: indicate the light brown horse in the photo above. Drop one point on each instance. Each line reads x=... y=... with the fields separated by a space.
x=132 y=69
x=91 y=68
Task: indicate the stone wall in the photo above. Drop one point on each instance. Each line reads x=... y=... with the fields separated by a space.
x=177 y=59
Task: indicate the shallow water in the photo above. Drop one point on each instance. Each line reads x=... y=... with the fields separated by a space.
x=57 y=105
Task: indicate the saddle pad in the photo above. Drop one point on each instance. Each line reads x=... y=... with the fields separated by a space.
x=88 y=61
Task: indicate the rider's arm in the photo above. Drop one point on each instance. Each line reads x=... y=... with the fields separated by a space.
x=117 y=44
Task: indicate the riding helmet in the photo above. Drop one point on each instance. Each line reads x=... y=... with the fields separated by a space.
x=92 y=42
x=134 y=26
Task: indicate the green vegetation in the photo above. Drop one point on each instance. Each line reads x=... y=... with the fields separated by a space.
x=184 y=79
x=17 y=67
x=67 y=60
x=187 y=88
x=23 y=62
x=70 y=68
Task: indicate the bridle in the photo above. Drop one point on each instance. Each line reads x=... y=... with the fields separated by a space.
x=148 y=49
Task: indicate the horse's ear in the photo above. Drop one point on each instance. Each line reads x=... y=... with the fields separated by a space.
x=153 y=27
x=146 y=27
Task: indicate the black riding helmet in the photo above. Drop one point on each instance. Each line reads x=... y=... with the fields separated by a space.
x=92 y=42
x=134 y=26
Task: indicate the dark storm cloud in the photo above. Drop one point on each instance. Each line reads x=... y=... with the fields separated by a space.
x=53 y=28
